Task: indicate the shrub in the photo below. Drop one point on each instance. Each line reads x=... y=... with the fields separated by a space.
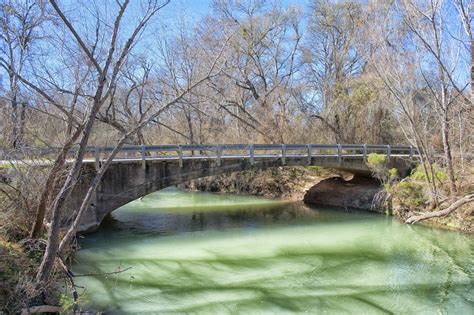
x=376 y=163
x=375 y=159
x=439 y=173
x=393 y=172
x=409 y=194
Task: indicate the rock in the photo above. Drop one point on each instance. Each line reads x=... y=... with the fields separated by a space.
x=358 y=193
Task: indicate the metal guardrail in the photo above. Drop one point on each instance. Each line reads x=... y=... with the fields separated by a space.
x=220 y=152
x=250 y=151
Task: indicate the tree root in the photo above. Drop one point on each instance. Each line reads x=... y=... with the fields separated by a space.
x=442 y=213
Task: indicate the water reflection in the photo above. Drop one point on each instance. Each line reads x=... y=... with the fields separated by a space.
x=272 y=257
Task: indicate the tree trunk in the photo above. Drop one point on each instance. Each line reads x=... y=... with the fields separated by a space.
x=37 y=228
x=466 y=199
x=21 y=125
x=90 y=192
x=14 y=114
x=49 y=257
x=472 y=71
x=447 y=153
x=14 y=143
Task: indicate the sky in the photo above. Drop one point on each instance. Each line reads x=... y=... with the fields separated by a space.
x=199 y=8
x=165 y=21
x=81 y=12
x=192 y=10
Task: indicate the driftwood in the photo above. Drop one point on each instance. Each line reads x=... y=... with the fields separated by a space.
x=442 y=213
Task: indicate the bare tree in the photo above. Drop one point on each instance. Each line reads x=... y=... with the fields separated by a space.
x=109 y=72
x=19 y=21
x=106 y=69
x=428 y=24
x=332 y=60
x=257 y=81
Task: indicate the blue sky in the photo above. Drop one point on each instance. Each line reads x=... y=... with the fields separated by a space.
x=199 y=8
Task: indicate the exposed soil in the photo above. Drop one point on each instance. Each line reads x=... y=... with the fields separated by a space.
x=358 y=193
x=289 y=183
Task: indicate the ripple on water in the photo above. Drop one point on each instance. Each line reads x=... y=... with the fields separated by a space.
x=252 y=255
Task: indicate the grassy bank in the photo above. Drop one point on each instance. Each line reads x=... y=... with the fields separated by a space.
x=410 y=197
x=413 y=200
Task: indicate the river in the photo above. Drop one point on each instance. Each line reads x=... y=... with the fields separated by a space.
x=216 y=254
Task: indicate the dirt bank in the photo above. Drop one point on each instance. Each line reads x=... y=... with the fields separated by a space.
x=358 y=193
x=312 y=184
x=290 y=183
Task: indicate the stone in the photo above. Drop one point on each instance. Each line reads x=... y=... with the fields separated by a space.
x=357 y=193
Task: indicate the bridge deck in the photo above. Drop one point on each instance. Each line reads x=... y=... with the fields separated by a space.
x=220 y=152
x=241 y=156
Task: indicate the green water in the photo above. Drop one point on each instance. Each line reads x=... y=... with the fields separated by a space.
x=191 y=252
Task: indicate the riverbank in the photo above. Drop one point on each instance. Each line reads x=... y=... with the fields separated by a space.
x=354 y=193
x=313 y=185
x=20 y=256
x=319 y=186
x=288 y=183
x=17 y=272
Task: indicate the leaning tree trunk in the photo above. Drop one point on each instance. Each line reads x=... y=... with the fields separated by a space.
x=49 y=257
x=50 y=185
x=442 y=213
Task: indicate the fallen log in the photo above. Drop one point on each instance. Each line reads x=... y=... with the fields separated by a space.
x=442 y=213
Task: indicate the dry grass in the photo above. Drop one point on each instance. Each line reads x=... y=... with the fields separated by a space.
x=19 y=257
x=17 y=271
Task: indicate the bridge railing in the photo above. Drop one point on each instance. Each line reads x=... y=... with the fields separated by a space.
x=252 y=152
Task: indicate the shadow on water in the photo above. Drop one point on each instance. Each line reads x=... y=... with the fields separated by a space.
x=274 y=257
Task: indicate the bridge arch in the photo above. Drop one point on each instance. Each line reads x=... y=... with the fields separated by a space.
x=128 y=180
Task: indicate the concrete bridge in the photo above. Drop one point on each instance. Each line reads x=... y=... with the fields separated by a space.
x=141 y=170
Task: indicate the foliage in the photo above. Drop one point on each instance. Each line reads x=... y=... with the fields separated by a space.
x=18 y=197
x=67 y=302
x=376 y=163
x=375 y=159
x=393 y=173
x=19 y=256
x=439 y=173
x=409 y=194
x=269 y=82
